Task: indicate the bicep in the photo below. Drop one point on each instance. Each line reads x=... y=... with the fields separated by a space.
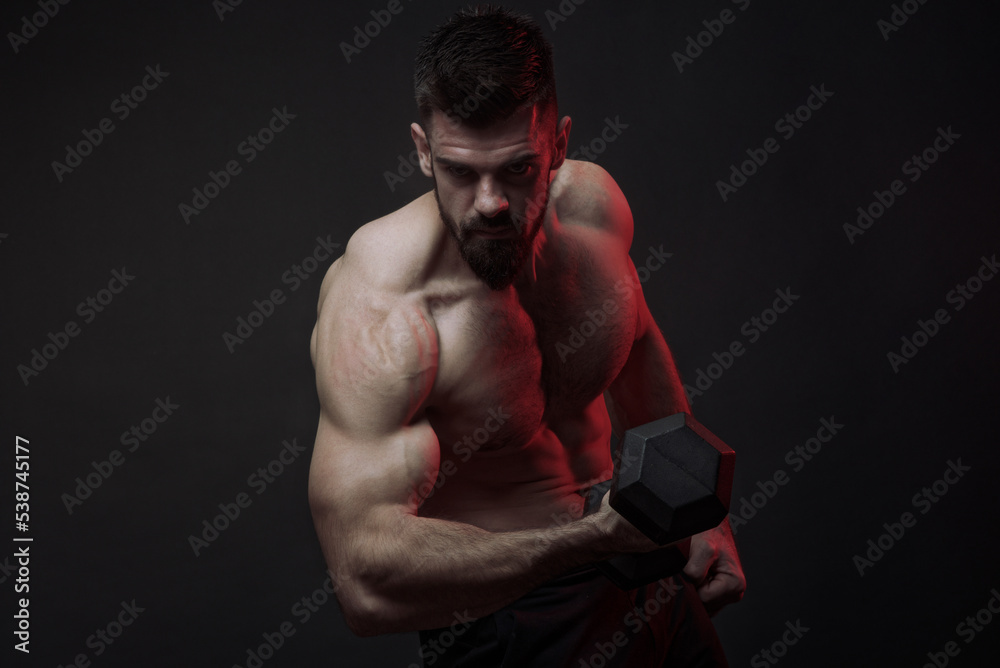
x=354 y=481
x=374 y=447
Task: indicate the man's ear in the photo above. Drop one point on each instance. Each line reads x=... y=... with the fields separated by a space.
x=561 y=142
x=423 y=148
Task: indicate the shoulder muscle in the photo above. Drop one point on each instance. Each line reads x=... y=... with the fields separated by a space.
x=585 y=194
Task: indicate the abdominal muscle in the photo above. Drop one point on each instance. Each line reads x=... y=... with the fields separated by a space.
x=536 y=484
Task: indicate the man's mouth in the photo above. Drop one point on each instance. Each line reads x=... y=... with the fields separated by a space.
x=495 y=232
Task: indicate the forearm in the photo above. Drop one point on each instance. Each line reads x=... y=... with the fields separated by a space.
x=416 y=573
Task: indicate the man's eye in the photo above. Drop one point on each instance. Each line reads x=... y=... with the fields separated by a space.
x=457 y=171
x=519 y=168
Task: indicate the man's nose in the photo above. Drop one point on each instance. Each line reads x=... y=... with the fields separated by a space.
x=490 y=198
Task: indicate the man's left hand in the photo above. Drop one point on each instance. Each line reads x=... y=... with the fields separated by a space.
x=714 y=568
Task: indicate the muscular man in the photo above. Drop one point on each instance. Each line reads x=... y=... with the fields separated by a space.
x=462 y=419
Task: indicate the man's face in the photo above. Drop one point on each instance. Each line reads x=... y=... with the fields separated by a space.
x=491 y=187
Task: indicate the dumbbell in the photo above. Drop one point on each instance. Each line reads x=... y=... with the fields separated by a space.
x=672 y=479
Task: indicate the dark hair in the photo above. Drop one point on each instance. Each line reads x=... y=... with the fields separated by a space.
x=482 y=66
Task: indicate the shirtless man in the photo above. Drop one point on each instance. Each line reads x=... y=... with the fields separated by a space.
x=459 y=427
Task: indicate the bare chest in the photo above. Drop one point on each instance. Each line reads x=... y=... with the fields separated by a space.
x=515 y=364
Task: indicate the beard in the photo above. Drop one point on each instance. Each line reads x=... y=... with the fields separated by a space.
x=495 y=261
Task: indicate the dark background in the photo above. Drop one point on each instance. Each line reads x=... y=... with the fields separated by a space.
x=324 y=175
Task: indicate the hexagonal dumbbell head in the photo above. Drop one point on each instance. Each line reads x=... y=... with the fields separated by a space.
x=673 y=478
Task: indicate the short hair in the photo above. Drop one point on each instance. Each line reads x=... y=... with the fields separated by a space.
x=484 y=65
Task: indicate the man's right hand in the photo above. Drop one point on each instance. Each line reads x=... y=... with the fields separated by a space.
x=622 y=536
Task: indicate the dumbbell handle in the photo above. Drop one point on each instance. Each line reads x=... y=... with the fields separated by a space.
x=628 y=571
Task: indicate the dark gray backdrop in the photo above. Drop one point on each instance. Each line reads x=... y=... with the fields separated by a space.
x=677 y=132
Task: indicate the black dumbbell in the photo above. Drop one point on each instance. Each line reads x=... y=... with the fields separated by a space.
x=672 y=479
